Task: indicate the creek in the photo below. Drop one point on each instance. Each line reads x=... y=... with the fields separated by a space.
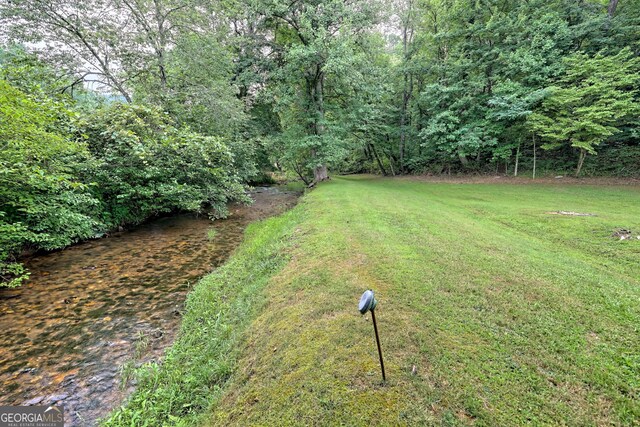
x=91 y=312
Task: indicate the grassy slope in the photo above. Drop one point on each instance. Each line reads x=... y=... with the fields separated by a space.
x=509 y=315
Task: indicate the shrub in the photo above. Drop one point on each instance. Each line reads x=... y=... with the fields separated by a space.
x=43 y=204
x=145 y=166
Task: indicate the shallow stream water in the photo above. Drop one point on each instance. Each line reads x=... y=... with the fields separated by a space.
x=93 y=309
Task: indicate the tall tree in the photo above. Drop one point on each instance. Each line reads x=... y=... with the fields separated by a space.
x=611 y=10
x=313 y=43
x=407 y=18
x=120 y=45
x=83 y=37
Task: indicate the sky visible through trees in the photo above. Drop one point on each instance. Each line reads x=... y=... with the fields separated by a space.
x=196 y=99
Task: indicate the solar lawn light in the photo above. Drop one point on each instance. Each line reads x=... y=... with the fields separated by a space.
x=368 y=302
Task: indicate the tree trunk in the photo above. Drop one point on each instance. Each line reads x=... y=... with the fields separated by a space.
x=160 y=45
x=534 y=156
x=367 y=152
x=406 y=97
x=402 y=136
x=611 y=10
x=320 y=173
x=515 y=170
x=298 y=170
x=407 y=38
x=583 y=154
x=393 y=172
x=375 y=154
x=463 y=160
x=120 y=88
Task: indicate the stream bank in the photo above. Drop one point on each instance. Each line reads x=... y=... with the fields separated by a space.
x=98 y=309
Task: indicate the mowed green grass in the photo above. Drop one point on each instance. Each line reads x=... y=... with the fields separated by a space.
x=509 y=315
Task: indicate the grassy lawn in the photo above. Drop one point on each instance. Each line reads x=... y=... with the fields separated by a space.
x=510 y=315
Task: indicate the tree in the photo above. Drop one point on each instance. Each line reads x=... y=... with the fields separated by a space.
x=313 y=42
x=407 y=19
x=24 y=71
x=198 y=91
x=117 y=45
x=145 y=166
x=595 y=96
x=43 y=204
x=611 y=10
x=84 y=38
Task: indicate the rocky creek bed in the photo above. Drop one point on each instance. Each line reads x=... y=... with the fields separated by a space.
x=91 y=310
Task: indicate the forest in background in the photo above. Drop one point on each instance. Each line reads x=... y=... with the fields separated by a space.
x=115 y=111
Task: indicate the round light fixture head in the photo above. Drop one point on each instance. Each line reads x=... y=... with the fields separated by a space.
x=367 y=302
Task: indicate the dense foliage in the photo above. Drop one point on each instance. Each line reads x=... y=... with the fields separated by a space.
x=67 y=175
x=145 y=166
x=442 y=86
x=485 y=81
x=122 y=110
x=593 y=100
x=43 y=202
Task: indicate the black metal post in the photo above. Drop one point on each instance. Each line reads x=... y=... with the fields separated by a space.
x=375 y=328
